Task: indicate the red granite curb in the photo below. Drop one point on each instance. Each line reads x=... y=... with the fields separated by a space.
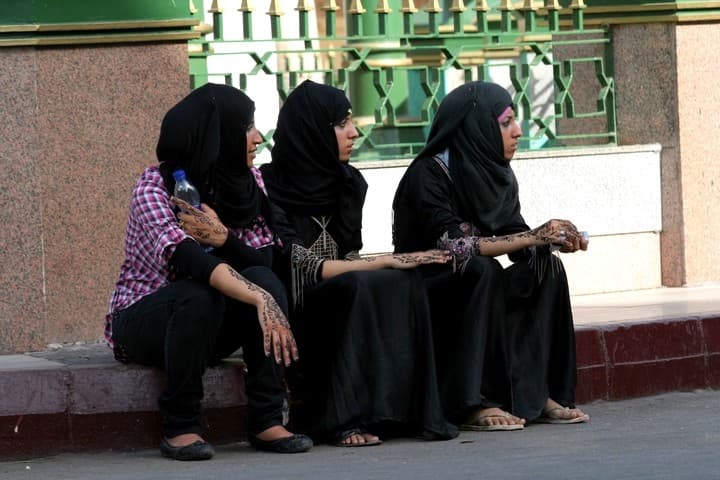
x=91 y=402
x=103 y=405
x=639 y=359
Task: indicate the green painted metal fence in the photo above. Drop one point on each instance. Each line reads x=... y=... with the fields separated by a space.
x=396 y=60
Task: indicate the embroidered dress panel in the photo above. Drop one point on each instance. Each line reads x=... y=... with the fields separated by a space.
x=325 y=246
x=306 y=263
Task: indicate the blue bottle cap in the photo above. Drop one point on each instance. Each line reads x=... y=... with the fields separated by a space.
x=179 y=174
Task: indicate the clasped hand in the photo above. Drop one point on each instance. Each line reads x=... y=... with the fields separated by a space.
x=562 y=233
x=203 y=225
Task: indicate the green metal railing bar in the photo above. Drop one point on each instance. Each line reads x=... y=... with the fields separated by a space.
x=396 y=62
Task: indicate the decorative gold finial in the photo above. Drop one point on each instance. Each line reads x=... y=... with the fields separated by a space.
x=408 y=6
x=275 y=9
x=356 y=7
x=330 y=5
x=433 y=7
x=458 y=6
x=383 y=7
x=304 y=6
x=246 y=6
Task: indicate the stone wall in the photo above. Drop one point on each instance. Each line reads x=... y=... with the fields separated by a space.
x=80 y=123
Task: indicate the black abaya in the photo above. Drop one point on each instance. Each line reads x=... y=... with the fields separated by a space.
x=366 y=351
x=365 y=337
x=519 y=319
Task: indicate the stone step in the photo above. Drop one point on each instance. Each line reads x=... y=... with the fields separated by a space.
x=78 y=398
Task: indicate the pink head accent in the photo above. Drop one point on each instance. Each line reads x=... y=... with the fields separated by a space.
x=503 y=116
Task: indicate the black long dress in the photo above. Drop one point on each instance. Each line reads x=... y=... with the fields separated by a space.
x=517 y=321
x=365 y=337
x=365 y=340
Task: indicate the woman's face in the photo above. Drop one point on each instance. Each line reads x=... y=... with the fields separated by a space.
x=253 y=140
x=511 y=132
x=346 y=134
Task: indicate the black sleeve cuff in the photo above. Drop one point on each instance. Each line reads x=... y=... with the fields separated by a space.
x=190 y=259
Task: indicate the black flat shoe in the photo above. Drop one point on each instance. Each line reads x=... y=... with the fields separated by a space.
x=298 y=443
x=199 y=450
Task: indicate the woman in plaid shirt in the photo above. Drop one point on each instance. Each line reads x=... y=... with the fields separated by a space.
x=184 y=301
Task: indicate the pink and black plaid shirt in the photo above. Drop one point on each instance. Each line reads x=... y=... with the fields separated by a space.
x=258 y=235
x=151 y=237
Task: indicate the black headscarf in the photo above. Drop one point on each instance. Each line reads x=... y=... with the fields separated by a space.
x=466 y=123
x=306 y=176
x=205 y=135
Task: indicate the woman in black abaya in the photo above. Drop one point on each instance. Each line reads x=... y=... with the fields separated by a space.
x=363 y=324
x=507 y=334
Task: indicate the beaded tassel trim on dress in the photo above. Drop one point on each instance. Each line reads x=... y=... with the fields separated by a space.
x=305 y=263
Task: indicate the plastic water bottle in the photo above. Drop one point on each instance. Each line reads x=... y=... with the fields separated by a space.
x=184 y=190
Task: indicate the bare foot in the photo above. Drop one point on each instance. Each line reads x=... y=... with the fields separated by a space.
x=273 y=433
x=355 y=437
x=184 y=439
x=493 y=416
x=360 y=439
x=556 y=413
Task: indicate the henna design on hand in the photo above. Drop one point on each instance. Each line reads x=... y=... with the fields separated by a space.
x=201 y=225
x=273 y=321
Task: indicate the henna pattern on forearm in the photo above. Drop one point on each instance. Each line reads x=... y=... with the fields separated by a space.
x=407 y=258
x=366 y=259
x=463 y=248
x=542 y=233
x=507 y=238
x=273 y=317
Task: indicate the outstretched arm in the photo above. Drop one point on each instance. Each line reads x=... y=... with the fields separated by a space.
x=400 y=261
x=557 y=232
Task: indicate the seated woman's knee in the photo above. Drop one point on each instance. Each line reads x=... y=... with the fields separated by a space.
x=483 y=267
x=199 y=302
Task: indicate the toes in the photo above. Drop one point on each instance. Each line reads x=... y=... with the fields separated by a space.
x=369 y=437
x=354 y=439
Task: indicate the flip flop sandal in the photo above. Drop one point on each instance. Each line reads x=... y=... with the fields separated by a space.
x=476 y=425
x=340 y=436
x=546 y=417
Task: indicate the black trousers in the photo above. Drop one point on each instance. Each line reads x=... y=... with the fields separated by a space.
x=186 y=326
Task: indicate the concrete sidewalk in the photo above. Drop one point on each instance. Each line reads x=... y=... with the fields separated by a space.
x=79 y=398
x=674 y=436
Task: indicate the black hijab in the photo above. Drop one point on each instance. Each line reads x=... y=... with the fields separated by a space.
x=205 y=134
x=466 y=123
x=305 y=176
